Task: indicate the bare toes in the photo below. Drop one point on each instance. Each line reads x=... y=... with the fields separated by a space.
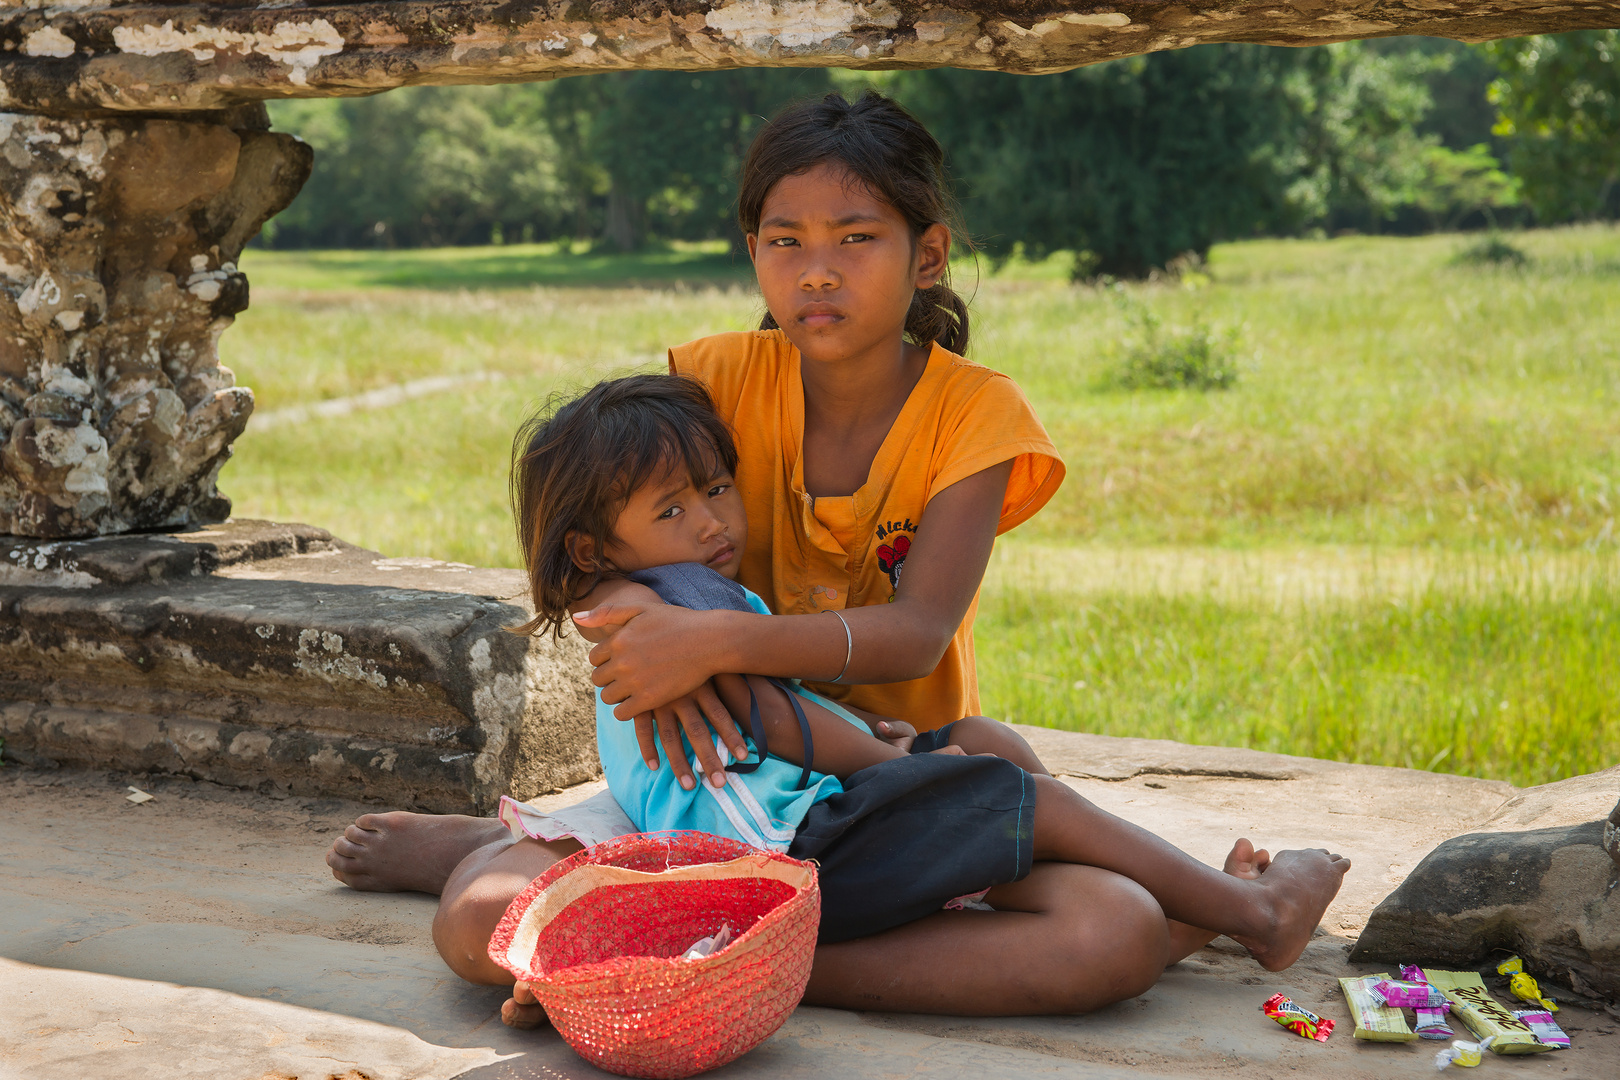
x=522 y=1017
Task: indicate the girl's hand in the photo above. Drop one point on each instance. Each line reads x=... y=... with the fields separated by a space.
x=695 y=714
x=662 y=699
x=611 y=591
x=897 y=733
x=651 y=655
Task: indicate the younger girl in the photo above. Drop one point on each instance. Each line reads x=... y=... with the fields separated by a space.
x=636 y=479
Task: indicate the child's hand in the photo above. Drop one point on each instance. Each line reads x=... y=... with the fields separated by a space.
x=650 y=655
x=897 y=733
x=696 y=714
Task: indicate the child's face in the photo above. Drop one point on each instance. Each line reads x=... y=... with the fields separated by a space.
x=837 y=264
x=671 y=520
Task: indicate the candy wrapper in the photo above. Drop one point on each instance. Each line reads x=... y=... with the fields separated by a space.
x=1431 y=1024
x=1408 y=995
x=1374 y=1021
x=1545 y=1027
x=1523 y=985
x=1483 y=1014
x=1466 y=1054
x=1301 y=1021
x=1524 y=988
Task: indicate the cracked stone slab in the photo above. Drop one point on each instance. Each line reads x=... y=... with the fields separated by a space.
x=126 y=55
x=255 y=653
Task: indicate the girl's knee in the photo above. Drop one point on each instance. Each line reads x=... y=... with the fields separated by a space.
x=982 y=735
x=1118 y=947
x=476 y=897
x=462 y=928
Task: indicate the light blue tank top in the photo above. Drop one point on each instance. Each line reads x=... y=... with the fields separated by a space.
x=763 y=808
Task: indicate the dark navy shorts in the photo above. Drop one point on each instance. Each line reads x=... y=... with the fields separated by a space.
x=906 y=836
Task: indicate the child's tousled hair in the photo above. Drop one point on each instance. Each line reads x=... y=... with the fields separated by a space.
x=576 y=463
x=891 y=153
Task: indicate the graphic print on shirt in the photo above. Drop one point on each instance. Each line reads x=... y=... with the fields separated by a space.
x=891 y=554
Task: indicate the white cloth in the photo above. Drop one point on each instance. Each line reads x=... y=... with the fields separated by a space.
x=591 y=822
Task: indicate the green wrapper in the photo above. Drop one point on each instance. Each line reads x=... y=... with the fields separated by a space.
x=1484 y=1015
x=1375 y=1022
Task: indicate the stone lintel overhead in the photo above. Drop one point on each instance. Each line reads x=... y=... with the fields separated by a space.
x=90 y=56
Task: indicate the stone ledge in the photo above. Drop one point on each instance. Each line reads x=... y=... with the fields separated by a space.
x=255 y=652
x=106 y=56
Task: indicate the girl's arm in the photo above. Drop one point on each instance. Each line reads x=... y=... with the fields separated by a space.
x=841 y=749
x=694 y=713
x=655 y=654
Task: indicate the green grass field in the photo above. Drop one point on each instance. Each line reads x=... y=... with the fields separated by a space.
x=1393 y=541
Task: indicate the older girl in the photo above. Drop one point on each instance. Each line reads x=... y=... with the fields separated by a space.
x=877 y=466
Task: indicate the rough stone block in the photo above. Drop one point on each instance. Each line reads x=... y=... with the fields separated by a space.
x=118 y=246
x=254 y=652
x=1536 y=879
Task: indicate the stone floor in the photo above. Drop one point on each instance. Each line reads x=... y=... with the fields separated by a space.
x=199 y=935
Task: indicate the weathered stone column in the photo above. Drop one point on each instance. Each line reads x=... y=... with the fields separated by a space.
x=118 y=247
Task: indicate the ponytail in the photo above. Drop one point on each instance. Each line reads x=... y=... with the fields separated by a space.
x=890 y=152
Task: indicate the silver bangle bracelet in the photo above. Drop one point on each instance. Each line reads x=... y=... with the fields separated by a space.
x=849 y=644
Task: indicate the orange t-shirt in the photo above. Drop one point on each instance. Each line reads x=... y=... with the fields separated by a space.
x=807 y=555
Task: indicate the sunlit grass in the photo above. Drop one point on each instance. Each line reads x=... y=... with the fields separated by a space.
x=1399 y=518
x=1502 y=670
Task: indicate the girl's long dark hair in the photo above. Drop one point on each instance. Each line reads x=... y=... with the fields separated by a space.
x=576 y=463
x=890 y=152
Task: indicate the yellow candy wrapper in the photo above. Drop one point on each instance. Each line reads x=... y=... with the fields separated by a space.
x=1522 y=985
x=1375 y=1021
x=1525 y=989
x=1484 y=1015
x=1466 y=1054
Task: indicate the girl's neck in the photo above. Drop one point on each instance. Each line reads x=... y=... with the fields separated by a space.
x=849 y=406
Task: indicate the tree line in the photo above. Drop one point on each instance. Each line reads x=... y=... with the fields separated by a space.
x=1133 y=163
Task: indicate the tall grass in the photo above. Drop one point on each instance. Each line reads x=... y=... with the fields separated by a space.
x=1504 y=673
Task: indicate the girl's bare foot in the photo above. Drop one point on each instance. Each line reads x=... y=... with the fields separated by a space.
x=1245 y=862
x=404 y=852
x=521 y=1010
x=1242 y=861
x=1295 y=890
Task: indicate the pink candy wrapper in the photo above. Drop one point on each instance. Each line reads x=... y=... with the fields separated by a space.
x=1406 y=995
x=1431 y=1024
x=1545 y=1027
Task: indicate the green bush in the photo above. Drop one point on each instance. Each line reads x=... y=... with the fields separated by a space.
x=1491 y=250
x=1154 y=356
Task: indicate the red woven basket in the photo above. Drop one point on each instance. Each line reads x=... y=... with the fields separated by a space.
x=600 y=937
